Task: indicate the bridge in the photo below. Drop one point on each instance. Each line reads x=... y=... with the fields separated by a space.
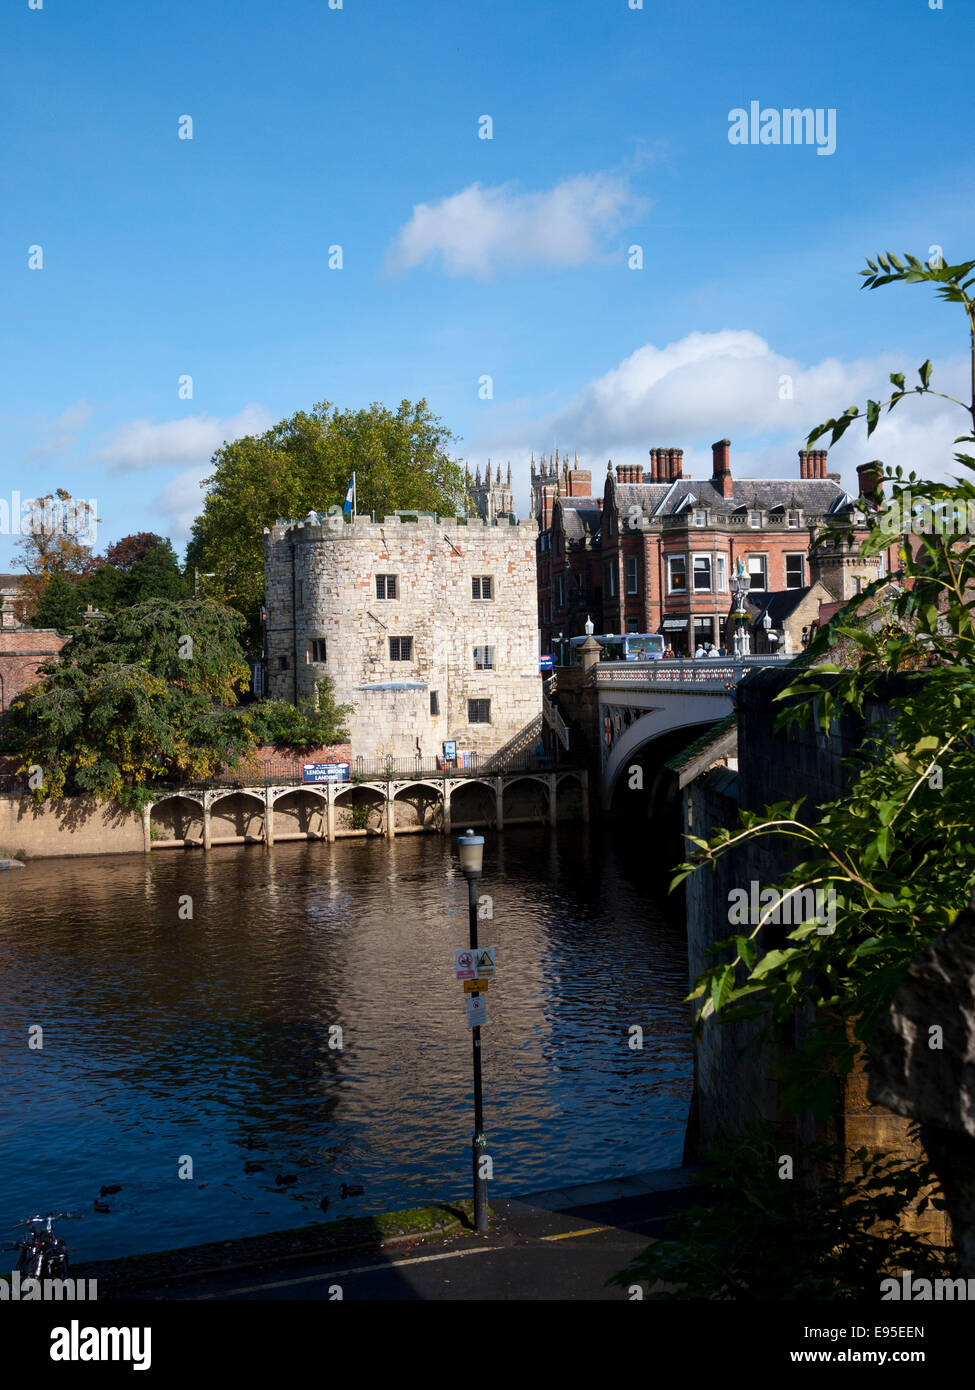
x=390 y=797
x=639 y=702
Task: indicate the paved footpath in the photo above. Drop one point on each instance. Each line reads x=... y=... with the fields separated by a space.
x=547 y=1245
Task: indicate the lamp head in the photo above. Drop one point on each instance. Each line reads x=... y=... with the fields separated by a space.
x=471 y=848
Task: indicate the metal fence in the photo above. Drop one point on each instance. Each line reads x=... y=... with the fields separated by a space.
x=283 y=772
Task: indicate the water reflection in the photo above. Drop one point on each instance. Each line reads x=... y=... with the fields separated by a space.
x=210 y=1038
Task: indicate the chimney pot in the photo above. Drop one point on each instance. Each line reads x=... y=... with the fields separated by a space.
x=721 y=471
x=870 y=478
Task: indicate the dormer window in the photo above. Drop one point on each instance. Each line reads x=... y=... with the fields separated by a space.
x=700 y=518
x=755 y=520
x=792 y=520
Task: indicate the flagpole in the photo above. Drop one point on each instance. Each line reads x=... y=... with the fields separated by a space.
x=355 y=500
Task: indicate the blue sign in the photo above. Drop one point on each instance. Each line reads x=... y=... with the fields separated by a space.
x=450 y=750
x=326 y=772
x=546 y=663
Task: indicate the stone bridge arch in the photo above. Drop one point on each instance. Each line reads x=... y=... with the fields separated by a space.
x=668 y=715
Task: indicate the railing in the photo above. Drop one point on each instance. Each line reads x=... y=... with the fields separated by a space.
x=285 y=774
x=684 y=670
x=555 y=721
x=524 y=742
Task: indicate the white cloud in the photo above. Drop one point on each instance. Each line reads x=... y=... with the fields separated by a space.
x=181 y=501
x=481 y=230
x=58 y=435
x=708 y=386
x=139 y=444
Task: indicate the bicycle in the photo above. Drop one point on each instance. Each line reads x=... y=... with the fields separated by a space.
x=43 y=1254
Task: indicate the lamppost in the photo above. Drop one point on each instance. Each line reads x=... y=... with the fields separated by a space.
x=471 y=849
x=739 y=617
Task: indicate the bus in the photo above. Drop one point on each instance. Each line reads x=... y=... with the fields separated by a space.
x=626 y=646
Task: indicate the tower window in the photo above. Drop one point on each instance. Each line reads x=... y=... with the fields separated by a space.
x=386 y=586
x=482 y=586
x=401 y=649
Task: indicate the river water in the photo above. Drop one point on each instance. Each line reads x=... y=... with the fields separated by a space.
x=178 y=1044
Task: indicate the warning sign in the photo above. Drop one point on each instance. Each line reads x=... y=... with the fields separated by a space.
x=484 y=963
x=472 y=986
x=464 y=961
x=476 y=1010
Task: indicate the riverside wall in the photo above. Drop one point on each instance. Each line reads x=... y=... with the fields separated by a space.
x=76 y=825
x=735 y=1083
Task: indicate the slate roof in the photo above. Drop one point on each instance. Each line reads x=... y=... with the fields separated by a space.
x=778 y=603
x=580 y=512
x=814 y=496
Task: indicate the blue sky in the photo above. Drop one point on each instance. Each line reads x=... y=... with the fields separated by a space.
x=465 y=257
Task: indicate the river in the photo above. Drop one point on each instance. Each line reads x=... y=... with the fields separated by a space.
x=188 y=1003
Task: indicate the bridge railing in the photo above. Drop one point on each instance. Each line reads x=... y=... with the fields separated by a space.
x=689 y=670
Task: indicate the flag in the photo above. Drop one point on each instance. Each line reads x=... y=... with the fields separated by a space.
x=349 y=496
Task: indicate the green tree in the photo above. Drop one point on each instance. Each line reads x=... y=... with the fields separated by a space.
x=400 y=459
x=148 y=692
x=154 y=574
x=898 y=851
x=312 y=723
x=60 y=605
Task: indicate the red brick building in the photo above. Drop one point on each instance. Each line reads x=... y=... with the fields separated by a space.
x=21 y=653
x=659 y=552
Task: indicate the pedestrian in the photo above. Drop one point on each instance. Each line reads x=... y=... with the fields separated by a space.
x=700 y=651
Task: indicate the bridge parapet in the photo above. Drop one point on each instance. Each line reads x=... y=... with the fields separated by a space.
x=682 y=671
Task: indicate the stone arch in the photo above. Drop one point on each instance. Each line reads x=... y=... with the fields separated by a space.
x=300 y=812
x=177 y=818
x=236 y=816
x=473 y=802
x=526 y=800
x=418 y=805
x=359 y=808
x=572 y=792
x=688 y=712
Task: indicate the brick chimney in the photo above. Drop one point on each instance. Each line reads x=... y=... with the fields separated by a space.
x=870 y=476
x=721 y=470
x=580 y=482
x=654 y=474
x=822 y=456
x=676 y=463
x=547 y=506
x=803 y=463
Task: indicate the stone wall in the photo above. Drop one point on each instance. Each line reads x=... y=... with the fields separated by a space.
x=21 y=653
x=321 y=587
x=76 y=825
x=733 y=1086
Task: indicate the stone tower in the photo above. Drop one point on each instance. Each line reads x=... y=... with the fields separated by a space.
x=492 y=497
